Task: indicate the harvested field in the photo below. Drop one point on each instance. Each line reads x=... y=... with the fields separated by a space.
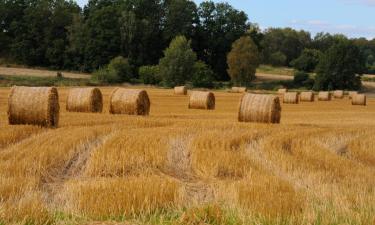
x=181 y=166
x=8 y=71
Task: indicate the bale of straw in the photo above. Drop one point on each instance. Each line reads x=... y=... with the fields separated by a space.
x=34 y=105
x=129 y=101
x=291 y=98
x=182 y=90
x=84 y=100
x=259 y=108
x=324 y=96
x=359 y=99
x=307 y=96
x=352 y=93
x=202 y=100
x=239 y=89
x=282 y=91
x=338 y=94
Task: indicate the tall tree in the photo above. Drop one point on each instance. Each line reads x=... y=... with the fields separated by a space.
x=220 y=26
x=287 y=41
x=141 y=35
x=177 y=66
x=340 y=67
x=103 y=34
x=181 y=18
x=243 y=61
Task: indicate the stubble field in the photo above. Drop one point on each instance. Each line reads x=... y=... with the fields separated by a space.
x=181 y=166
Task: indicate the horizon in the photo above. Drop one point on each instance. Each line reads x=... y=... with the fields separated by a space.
x=357 y=25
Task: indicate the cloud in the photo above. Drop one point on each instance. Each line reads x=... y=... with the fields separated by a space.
x=315 y=26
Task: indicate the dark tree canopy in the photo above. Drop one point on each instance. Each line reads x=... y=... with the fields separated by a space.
x=340 y=68
x=59 y=34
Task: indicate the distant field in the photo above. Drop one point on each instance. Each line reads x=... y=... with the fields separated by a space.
x=266 y=69
x=181 y=166
x=8 y=71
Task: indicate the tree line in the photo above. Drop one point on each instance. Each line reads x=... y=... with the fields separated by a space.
x=61 y=35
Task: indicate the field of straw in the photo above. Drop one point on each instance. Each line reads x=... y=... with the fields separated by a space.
x=189 y=166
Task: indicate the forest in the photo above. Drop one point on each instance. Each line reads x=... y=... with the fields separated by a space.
x=58 y=34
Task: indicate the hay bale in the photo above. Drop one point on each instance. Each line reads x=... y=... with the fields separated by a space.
x=291 y=98
x=129 y=101
x=34 y=105
x=359 y=99
x=182 y=90
x=84 y=100
x=352 y=93
x=202 y=100
x=338 y=94
x=259 y=108
x=239 y=89
x=324 y=96
x=282 y=91
x=307 y=96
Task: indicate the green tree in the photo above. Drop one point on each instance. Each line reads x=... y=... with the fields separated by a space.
x=308 y=60
x=149 y=74
x=287 y=41
x=341 y=67
x=177 y=66
x=102 y=31
x=141 y=31
x=220 y=26
x=277 y=59
x=243 y=61
x=122 y=68
x=203 y=75
x=181 y=18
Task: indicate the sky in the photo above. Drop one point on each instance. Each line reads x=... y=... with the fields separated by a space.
x=354 y=18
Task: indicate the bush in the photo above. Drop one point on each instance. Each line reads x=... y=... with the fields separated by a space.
x=122 y=68
x=149 y=74
x=177 y=66
x=308 y=60
x=105 y=75
x=203 y=75
x=277 y=59
x=302 y=79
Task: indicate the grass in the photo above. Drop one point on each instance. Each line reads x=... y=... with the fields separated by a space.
x=7 y=81
x=267 y=69
x=181 y=166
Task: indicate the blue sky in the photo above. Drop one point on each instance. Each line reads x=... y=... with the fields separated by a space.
x=354 y=18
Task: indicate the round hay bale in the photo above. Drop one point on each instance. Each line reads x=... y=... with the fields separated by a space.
x=291 y=98
x=338 y=94
x=282 y=91
x=259 y=108
x=359 y=99
x=34 y=105
x=352 y=93
x=84 y=100
x=307 y=96
x=129 y=101
x=239 y=89
x=202 y=100
x=324 y=96
x=182 y=90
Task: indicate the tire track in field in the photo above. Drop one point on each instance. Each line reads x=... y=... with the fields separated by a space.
x=73 y=169
x=179 y=157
